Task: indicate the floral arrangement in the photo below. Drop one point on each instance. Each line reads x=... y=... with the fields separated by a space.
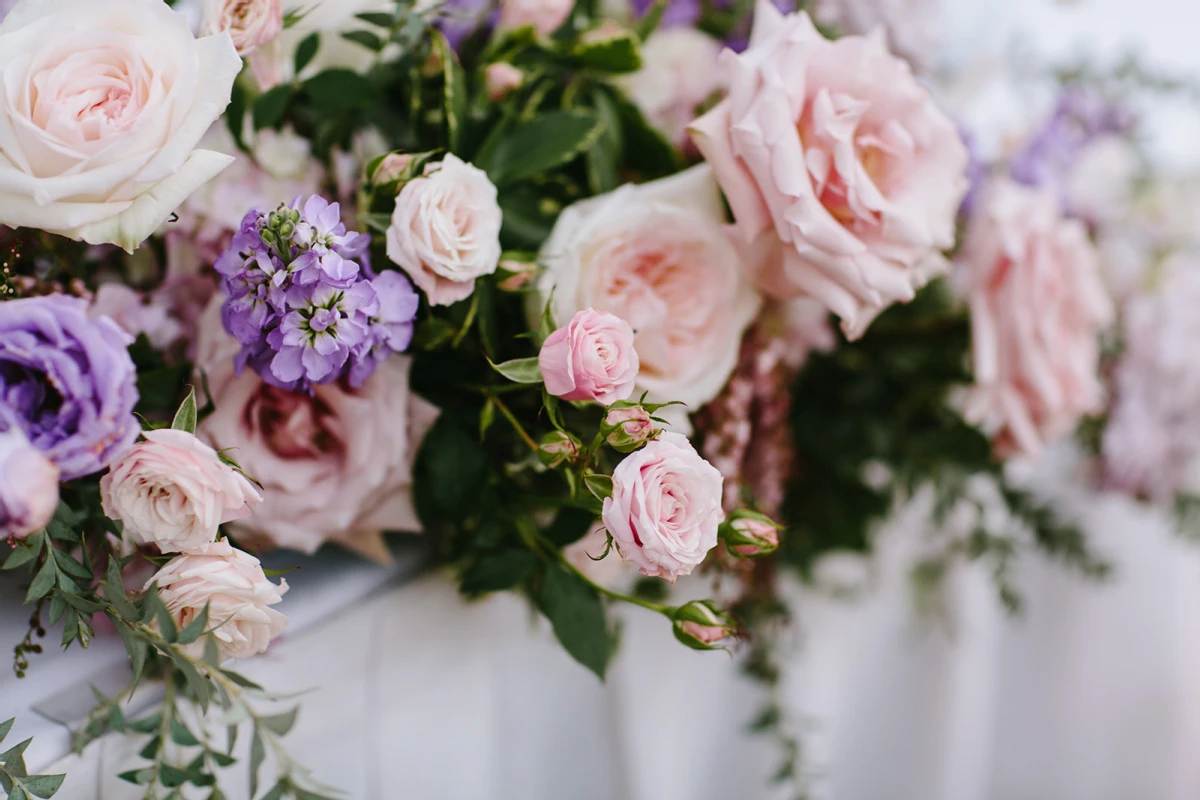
x=578 y=292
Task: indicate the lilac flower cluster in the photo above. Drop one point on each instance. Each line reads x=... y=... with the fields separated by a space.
x=303 y=302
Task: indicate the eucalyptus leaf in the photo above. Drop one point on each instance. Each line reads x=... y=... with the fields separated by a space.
x=280 y=724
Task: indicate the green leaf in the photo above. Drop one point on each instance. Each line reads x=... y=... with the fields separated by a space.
x=577 y=616
x=520 y=370
x=364 y=38
x=277 y=791
x=257 y=756
x=185 y=417
x=650 y=20
x=569 y=526
x=306 y=51
x=454 y=90
x=599 y=485
x=235 y=114
x=42 y=582
x=5 y=727
x=269 y=108
x=338 y=90
x=377 y=19
x=114 y=590
x=618 y=52
x=147 y=724
x=17 y=794
x=71 y=566
x=43 y=785
x=486 y=417
x=25 y=551
x=14 y=759
x=181 y=735
x=496 y=572
x=280 y=724
x=195 y=628
x=170 y=776
x=451 y=470
x=138 y=776
x=547 y=141
x=198 y=687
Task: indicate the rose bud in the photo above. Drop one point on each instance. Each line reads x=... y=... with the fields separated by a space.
x=28 y=486
x=501 y=80
x=516 y=274
x=391 y=168
x=558 y=447
x=544 y=16
x=701 y=626
x=748 y=534
x=627 y=426
x=592 y=357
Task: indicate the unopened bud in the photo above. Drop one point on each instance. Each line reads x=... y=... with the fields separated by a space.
x=627 y=426
x=268 y=237
x=286 y=230
x=391 y=168
x=501 y=80
x=558 y=447
x=519 y=274
x=701 y=626
x=748 y=534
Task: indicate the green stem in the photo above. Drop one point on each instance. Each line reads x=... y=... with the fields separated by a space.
x=515 y=423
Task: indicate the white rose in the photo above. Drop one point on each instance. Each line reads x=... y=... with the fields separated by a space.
x=173 y=491
x=103 y=103
x=445 y=231
x=658 y=256
x=236 y=590
x=679 y=72
x=28 y=486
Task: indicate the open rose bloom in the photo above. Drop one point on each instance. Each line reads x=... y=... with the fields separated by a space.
x=103 y=103
x=833 y=151
x=1037 y=305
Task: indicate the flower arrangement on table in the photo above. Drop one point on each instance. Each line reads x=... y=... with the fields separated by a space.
x=550 y=283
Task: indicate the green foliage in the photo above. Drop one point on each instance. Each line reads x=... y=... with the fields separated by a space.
x=185 y=417
x=577 y=616
x=14 y=776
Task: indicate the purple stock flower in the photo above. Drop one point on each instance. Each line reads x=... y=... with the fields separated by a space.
x=977 y=171
x=67 y=382
x=302 y=302
x=458 y=19
x=677 y=12
x=1079 y=117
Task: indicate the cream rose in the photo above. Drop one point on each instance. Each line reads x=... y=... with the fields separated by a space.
x=678 y=74
x=251 y=23
x=173 y=491
x=445 y=231
x=103 y=103
x=236 y=591
x=665 y=508
x=657 y=255
x=1038 y=305
x=833 y=149
x=334 y=467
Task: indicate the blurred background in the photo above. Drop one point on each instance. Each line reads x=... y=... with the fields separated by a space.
x=1093 y=693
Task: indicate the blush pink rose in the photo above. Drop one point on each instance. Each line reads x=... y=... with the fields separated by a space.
x=544 y=16
x=656 y=255
x=501 y=79
x=236 y=591
x=835 y=151
x=1038 y=305
x=335 y=467
x=173 y=491
x=665 y=507
x=445 y=230
x=590 y=358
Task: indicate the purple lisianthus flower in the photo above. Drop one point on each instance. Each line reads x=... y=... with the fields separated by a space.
x=67 y=382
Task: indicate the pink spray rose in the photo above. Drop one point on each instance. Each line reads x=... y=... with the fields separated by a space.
x=173 y=491
x=336 y=466
x=544 y=16
x=590 y=358
x=501 y=80
x=236 y=590
x=28 y=486
x=1038 y=304
x=665 y=507
x=836 y=152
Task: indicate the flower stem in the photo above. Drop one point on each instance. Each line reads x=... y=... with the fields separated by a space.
x=515 y=423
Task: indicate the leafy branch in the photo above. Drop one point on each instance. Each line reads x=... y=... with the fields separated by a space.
x=15 y=777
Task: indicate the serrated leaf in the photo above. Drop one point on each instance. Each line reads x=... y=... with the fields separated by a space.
x=599 y=485
x=271 y=105
x=185 y=417
x=306 y=51
x=520 y=370
x=42 y=582
x=280 y=724
x=43 y=785
x=496 y=572
x=549 y=140
x=577 y=616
